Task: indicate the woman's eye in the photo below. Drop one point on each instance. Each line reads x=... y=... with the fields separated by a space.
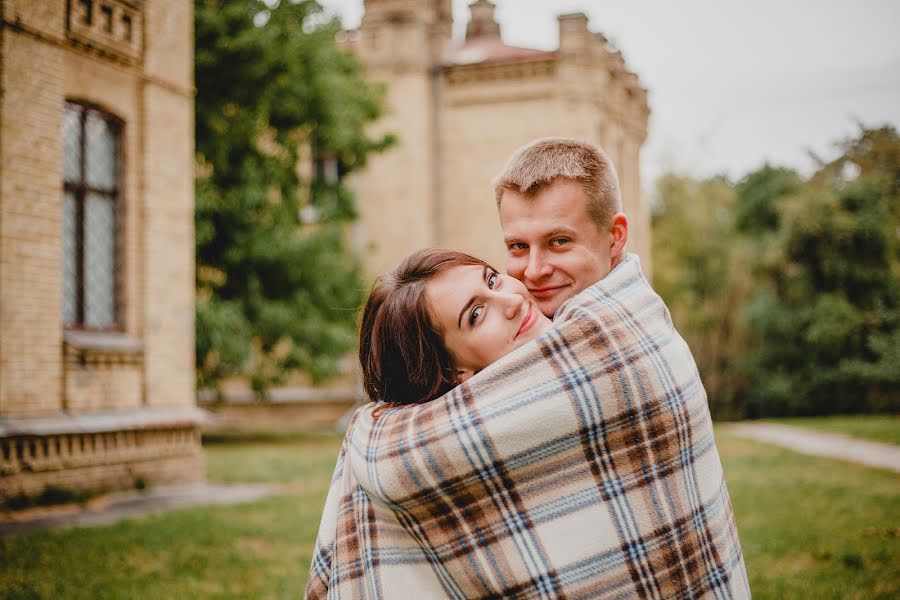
x=492 y=280
x=475 y=314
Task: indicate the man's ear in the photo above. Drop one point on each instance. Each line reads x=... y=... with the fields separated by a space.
x=463 y=374
x=619 y=231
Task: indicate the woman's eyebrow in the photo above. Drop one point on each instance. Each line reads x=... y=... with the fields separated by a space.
x=471 y=300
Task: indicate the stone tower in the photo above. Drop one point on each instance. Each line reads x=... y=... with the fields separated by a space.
x=402 y=42
x=460 y=109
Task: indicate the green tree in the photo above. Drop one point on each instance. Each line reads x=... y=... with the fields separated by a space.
x=758 y=193
x=274 y=295
x=786 y=288
x=826 y=311
x=701 y=271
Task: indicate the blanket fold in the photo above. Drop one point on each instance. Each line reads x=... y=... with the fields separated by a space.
x=581 y=465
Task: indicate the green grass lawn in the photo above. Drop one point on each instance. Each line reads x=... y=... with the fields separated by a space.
x=810 y=528
x=257 y=550
x=877 y=428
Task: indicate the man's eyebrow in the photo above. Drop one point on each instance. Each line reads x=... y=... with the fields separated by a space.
x=552 y=233
x=471 y=300
x=560 y=231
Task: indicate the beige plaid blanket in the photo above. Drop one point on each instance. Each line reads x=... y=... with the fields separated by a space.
x=581 y=465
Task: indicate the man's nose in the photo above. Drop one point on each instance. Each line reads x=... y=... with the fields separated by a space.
x=537 y=265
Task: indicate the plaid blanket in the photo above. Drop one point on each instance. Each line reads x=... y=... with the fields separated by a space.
x=581 y=465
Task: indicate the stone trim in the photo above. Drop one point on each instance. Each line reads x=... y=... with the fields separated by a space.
x=101 y=422
x=101 y=348
x=112 y=26
x=126 y=65
x=478 y=73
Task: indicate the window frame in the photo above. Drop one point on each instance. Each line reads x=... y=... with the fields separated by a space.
x=80 y=189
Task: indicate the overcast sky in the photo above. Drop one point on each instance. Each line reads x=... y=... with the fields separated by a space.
x=732 y=83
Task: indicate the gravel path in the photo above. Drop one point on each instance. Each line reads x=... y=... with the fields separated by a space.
x=113 y=508
x=830 y=445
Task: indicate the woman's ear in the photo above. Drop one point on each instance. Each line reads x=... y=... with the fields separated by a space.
x=463 y=374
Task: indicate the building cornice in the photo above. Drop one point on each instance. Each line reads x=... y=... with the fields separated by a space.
x=112 y=59
x=500 y=71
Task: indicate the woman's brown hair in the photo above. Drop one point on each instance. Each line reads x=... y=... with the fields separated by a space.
x=401 y=352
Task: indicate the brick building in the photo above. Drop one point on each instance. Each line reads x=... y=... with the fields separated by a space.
x=459 y=111
x=96 y=245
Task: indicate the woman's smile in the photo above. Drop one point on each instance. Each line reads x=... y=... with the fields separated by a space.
x=528 y=322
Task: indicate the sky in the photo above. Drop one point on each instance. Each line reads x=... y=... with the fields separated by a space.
x=732 y=84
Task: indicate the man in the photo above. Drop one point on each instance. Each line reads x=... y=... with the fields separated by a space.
x=582 y=465
x=562 y=220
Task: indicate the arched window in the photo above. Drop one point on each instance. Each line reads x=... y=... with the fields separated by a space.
x=91 y=177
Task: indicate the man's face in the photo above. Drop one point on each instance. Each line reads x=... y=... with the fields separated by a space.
x=553 y=246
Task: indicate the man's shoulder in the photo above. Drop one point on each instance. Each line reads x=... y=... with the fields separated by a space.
x=627 y=276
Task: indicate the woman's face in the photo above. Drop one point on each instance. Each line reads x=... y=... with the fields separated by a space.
x=482 y=315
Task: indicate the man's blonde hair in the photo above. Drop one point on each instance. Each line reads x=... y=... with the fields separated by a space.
x=539 y=163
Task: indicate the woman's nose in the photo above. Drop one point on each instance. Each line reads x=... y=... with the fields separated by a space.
x=512 y=304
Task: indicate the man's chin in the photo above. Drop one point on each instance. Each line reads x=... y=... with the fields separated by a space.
x=551 y=304
x=548 y=306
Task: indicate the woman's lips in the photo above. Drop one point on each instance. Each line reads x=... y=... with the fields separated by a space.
x=528 y=322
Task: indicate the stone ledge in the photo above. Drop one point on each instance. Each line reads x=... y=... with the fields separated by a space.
x=103 y=341
x=285 y=395
x=145 y=418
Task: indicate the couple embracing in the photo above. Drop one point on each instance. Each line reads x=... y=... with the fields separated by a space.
x=536 y=434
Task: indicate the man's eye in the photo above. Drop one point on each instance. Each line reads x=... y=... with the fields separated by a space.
x=518 y=246
x=475 y=314
x=492 y=280
x=559 y=241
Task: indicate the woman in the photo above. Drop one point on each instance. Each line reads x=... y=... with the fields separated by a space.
x=437 y=319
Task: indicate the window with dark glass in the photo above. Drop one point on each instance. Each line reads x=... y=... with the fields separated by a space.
x=327 y=173
x=91 y=177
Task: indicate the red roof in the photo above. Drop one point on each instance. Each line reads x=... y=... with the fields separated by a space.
x=483 y=50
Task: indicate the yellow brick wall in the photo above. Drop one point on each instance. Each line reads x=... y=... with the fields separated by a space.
x=394 y=193
x=103 y=387
x=169 y=249
x=169 y=44
x=41 y=68
x=168 y=203
x=30 y=225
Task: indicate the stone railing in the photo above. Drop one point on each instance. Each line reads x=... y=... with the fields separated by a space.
x=100 y=451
